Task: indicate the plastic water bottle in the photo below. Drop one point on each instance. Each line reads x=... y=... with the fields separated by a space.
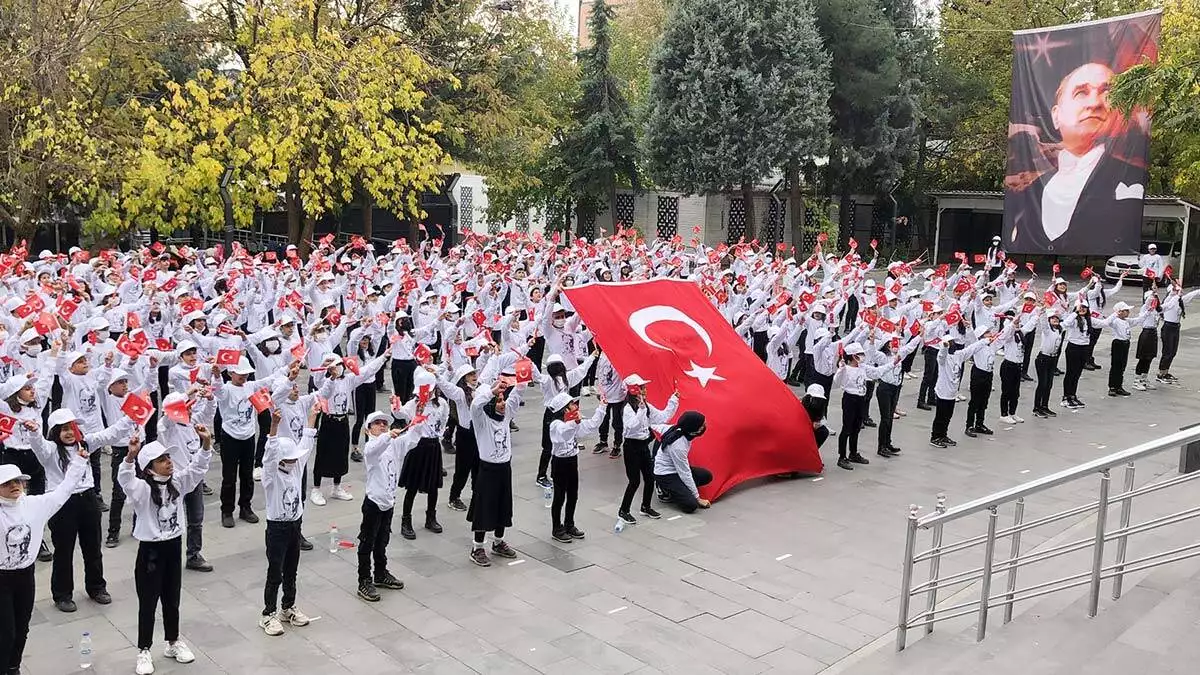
x=548 y=496
x=619 y=527
x=334 y=540
x=85 y=651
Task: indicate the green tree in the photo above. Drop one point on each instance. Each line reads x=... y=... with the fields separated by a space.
x=600 y=151
x=738 y=88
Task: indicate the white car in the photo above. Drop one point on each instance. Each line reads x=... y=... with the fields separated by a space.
x=1131 y=263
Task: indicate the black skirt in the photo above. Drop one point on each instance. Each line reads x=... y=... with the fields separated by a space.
x=1147 y=344
x=492 y=498
x=422 y=470
x=333 y=447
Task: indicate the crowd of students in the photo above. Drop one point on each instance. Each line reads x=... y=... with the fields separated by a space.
x=166 y=356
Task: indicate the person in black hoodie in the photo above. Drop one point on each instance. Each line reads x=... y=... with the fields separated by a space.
x=814 y=404
x=678 y=481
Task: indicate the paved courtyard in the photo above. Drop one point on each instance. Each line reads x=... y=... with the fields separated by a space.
x=786 y=576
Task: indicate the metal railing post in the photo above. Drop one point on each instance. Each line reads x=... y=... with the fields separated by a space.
x=1123 y=540
x=1013 y=553
x=935 y=565
x=1098 y=545
x=985 y=584
x=910 y=546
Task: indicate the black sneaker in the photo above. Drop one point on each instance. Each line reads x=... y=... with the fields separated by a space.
x=67 y=606
x=845 y=464
x=1026 y=378
x=390 y=582
x=248 y=516
x=616 y=452
x=113 y=540
x=367 y=591
x=981 y=429
x=543 y=482
x=198 y=563
x=859 y=459
x=949 y=441
x=561 y=535
x=513 y=425
x=1078 y=403
x=627 y=517
x=447 y=446
x=1113 y=392
x=1121 y=392
x=305 y=544
x=937 y=443
x=45 y=554
x=651 y=513
x=480 y=557
x=1049 y=413
x=457 y=504
x=600 y=448
x=103 y=506
x=205 y=490
x=356 y=456
x=970 y=432
x=575 y=532
x=924 y=406
x=884 y=452
x=101 y=598
x=893 y=449
x=406 y=528
x=502 y=549
x=226 y=520
x=869 y=422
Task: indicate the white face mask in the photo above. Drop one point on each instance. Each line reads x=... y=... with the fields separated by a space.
x=559 y=323
x=33 y=350
x=157 y=478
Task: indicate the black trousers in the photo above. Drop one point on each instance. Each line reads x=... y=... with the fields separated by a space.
x=157 y=575
x=639 y=471
x=264 y=428
x=373 y=537
x=943 y=413
x=1076 y=357
x=852 y=419
x=981 y=394
x=283 y=558
x=679 y=493
x=887 y=395
x=1010 y=387
x=907 y=364
x=866 y=400
x=614 y=415
x=402 y=377
x=17 y=588
x=410 y=496
x=544 y=458
x=1170 y=345
x=565 y=472
x=1044 y=364
x=364 y=404
x=821 y=434
x=78 y=519
x=760 y=344
x=538 y=350
x=1027 y=350
x=928 y=376
x=466 y=461
x=1120 y=359
x=1093 y=338
x=237 y=466
x=116 y=503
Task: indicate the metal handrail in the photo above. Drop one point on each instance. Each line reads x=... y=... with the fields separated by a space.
x=1147 y=449
x=1097 y=572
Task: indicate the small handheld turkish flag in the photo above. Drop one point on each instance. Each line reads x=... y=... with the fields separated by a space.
x=960 y=256
x=852 y=243
x=1050 y=297
x=66 y=309
x=45 y=323
x=1150 y=274
x=523 y=370
x=24 y=311
x=1056 y=267
x=1086 y=273
x=1169 y=272
x=228 y=357
x=299 y=351
x=261 y=400
x=132 y=320
x=127 y=347
x=351 y=363
x=667 y=331
x=397 y=404
x=1027 y=307
x=915 y=328
x=962 y=286
x=887 y=326
x=1029 y=266
x=980 y=258
x=8 y=424
x=162 y=344
x=479 y=317
x=178 y=411
x=422 y=354
x=138 y=408
x=35 y=302
x=953 y=317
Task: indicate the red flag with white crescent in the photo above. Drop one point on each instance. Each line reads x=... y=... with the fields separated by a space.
x=666 y=331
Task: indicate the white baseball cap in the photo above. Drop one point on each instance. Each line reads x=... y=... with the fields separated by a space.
x=60 y=416
x=462 y=371
x=635 y=380
x=243 y=367
x=150 y=452
x=378 y=417
x=562 y=400
x=11 y=472
x=815 y=391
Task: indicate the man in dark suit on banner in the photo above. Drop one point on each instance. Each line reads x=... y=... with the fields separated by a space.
x=1092 y=196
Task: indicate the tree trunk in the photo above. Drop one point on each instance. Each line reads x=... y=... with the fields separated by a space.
x=845 y=222
x=291 y=197
x=368 y=216
x=306 y=236
x=748 y=201
x=919 y=200
x=612 y=206
x=795 y=205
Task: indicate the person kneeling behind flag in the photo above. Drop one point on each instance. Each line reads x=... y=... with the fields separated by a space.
x=678 y=481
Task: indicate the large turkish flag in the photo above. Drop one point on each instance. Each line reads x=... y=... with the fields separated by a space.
x=666 y=331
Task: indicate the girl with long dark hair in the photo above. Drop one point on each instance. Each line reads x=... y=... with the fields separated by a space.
x=566 y=427
x=638 y=416
x=1078 y=335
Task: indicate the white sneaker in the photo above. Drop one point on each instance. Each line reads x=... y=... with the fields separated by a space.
x=317 y=497
x=902 y=413
x=1150 y=384
x=1139 y=386
x=145 y=663
x=257 y=473
x=270 y=625
x=1008 y=420
x=294 y=617
x=1017 y=419
x=340 y=493
x=960 y=398
x=179 y=651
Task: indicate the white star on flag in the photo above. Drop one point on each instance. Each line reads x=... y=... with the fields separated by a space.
x=704 y=375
